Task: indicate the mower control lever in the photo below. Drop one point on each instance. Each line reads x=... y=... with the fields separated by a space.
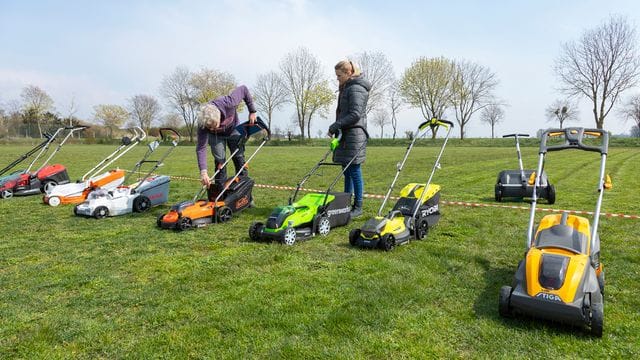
x=514 y=135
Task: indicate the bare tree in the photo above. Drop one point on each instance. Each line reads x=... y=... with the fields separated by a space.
x=144 y=110
x=561 y=111
x=492 y=115
x=395 y=104
x=426 y=84
x=380 y=119
x=110 y=116
x=378 y=70
x=319 y=99
x=269 y=94
x=181 y=97
x=472 y=90
x=301 y=73
x=631 y=110
x=36 y=102
x=600 y=66
x=635 y=131
x=210 y=84
x=172 y=120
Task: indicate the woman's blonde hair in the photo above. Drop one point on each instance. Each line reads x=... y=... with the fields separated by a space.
x=208 y=116
x=347 y=65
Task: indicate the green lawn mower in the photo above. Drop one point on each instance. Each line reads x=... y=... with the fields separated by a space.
x=415 y=212
x=315 y=213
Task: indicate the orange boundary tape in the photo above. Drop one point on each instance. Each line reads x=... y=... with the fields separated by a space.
x=458 y=203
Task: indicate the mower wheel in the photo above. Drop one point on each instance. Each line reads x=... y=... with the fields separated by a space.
x=504 y=307
x=597 y=319
x=184 y=223
x=159 y=220
x=551 y=194
x=254 y=230
x=601 y=282
x=498 y=192
x=141 y=204
x=224 y=214
x=54 y=201
x=47 y=186
x=387 y=242
x=289 y=236
x=6 y=194
x=353 y=237
x=101 y=212
x=75 y=210
x=422 y=229
x=324 y=226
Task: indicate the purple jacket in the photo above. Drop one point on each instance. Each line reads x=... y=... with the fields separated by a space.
x=227 y=105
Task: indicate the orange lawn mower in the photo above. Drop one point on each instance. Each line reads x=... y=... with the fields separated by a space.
x=225 y=199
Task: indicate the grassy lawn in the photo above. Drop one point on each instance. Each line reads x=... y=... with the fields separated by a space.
x=122 y=288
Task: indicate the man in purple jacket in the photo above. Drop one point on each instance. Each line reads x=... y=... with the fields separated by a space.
x=217 y=123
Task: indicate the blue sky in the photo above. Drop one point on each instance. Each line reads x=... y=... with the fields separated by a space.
x=105 y=52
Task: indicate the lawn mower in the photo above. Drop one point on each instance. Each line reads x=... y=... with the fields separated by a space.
x=415 y=212
x=519 y=183
x=74 y=193
x=149 y=191
x=561 y=277
x=223 y=200
x=314 y=213
x=26 y=182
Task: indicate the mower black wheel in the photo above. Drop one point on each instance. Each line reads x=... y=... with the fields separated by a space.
x=184 y=223
x=254 y=230
x=141 y=204
x=504 y=307
x=289 y=236
x=159 y=220
x=75 y=210
x=324 y=226
x=353 y=237
x=224 y=214
x=47 y=186
x=551 y=194
x=6 y=194
x=422 y=229
x=101 y=212
x=498 y=192
x=387 y=242
x=597 y=319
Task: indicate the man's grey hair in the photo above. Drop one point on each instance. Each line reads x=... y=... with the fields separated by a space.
x=208 y=116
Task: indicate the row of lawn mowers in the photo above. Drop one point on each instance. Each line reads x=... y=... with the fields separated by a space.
x=561 y=277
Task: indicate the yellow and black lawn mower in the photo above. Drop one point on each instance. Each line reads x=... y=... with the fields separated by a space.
x=561 y=277
x=415 y=212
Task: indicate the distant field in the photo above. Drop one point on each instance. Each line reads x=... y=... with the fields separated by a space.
x=119 y=287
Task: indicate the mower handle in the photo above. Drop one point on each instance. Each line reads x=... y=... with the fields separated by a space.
x=435 y=122
x=169 y=130
x=514 y=135
x=76 y=127
x=573 y=139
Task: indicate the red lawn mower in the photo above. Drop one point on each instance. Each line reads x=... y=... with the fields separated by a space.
x=42 y=180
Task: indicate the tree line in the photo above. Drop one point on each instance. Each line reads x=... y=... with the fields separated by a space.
x=598 y=67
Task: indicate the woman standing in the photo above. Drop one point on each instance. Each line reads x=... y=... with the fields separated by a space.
x=351 y=119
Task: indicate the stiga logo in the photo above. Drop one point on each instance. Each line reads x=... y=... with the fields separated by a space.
x=429 y=211
x=549 y=297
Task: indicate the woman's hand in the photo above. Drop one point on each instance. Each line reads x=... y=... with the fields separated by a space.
x=204 y=178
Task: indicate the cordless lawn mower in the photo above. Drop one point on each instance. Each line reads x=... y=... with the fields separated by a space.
x=26 y=182
x=149 y=191
x=519 y=183
x=561 y=277
x=314 y=213
x=223 y=200
x=416 y=211
x=76 y=192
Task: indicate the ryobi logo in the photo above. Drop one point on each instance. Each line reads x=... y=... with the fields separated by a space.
x=429 y=211
x=338 y=211
x=549 y=297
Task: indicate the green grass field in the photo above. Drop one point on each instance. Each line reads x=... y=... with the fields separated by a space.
x=121 y=288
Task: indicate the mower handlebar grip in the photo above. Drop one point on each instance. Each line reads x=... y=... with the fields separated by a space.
x=76 y=127
x=514 y=135
x=169 y=130
x=574 y=139
x=434 y=122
